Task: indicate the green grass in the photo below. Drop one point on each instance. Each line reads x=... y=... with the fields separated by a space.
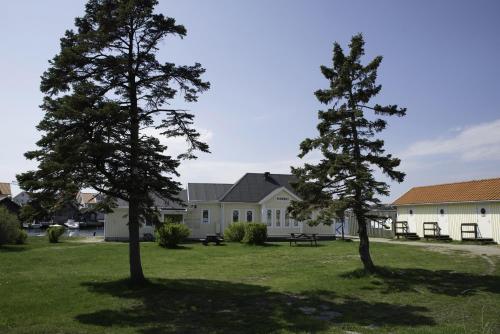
x=77 y=287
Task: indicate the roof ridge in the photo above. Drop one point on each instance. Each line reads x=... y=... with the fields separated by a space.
x=232 y=187
x=209 y=183
x=271 y=174
x=459 y=182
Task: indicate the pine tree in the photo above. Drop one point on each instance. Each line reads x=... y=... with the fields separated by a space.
x=101 y=90
x=344 y=177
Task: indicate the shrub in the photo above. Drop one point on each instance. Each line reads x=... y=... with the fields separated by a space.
x=235 y=232
x=255 y=234
x=169 y=235
x=54 y=232
x=9 y=227
x=21 y=237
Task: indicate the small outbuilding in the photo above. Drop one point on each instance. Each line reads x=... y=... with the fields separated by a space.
x=463 y=211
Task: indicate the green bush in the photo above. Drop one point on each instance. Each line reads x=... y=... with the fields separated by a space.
x=169 y=235
x=21 y=237
x=9 y=227
x=255 y=234
x=235 y=232
x=54 y=232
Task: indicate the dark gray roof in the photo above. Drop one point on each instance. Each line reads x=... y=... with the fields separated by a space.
x=162 y=203
x=253 y=187
x=207 y=191
x=22 y=198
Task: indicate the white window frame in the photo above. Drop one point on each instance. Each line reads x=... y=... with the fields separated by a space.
x=232 y=215
x=202 y=219
x=253 y=215
x=280 y=220
x=289 y=220
x=269 y=223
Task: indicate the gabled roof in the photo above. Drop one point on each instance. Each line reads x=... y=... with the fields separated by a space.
x=469 y=191
x=253 y=187
x=205 y=192
x=87 y=198
x=5 y=189
x=22 y=198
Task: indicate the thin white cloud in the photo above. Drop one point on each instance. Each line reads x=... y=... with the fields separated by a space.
x=478 y=142
x=177 y=145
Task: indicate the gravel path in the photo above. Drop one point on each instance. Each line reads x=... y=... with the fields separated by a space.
x=480 y=250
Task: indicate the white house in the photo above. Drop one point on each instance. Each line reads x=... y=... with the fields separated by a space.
x=464 y=210
x=211 y=207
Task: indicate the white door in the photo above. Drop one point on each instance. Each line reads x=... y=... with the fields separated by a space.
x=443 y=220
x=412 y=224
x=484 y=221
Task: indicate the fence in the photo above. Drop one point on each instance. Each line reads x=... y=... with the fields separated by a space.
x=383 y=228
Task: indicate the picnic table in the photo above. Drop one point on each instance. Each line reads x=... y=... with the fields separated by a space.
x=215 y=238
x=303 y=237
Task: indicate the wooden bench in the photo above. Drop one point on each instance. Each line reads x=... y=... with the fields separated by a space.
x=303 y=238
x=215 y=238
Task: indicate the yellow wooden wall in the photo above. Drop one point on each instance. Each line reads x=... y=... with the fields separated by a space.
x=458 y=213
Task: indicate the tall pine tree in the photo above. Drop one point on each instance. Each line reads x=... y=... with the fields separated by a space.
x=101 y=90
x=344 y=177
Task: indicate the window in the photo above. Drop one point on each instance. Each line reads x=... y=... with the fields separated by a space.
x=483 y=212
x=287 y=219
x=236 y=216
x=205 y=216
x=411 y=212
x=441 y=212
x=295 y=223
x=249 y=216
x=269 y=217
x=282 y=198
x=278 y=218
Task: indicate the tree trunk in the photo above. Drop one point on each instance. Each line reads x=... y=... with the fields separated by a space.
x=136 y=274
x=364 y=245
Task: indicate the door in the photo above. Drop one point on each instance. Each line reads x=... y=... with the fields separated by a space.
x=484 y=221
x=412 y=224
x=443 y=220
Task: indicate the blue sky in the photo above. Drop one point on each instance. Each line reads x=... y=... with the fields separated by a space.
x=441 y=61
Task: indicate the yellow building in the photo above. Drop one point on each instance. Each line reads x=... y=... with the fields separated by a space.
x=464 y=210
x=210 y=207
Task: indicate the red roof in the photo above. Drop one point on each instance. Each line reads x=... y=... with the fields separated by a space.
x=469 y=191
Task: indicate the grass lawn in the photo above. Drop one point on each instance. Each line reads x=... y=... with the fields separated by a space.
x=78 y=287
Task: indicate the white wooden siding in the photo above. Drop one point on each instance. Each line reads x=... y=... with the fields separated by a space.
x=458 y=213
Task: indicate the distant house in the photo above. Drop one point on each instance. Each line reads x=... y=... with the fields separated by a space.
x=5 y=190
x=10 y=205
x=87 y=203
x=463 y=210
x=208 y=208
x=6 y=199
x=22 y=198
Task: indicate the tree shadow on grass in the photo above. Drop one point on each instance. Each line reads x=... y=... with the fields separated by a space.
x=195 y=305
x=446 y=282
x=12 y=248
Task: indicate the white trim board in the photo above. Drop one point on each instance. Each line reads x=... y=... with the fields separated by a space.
x=277 y=191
